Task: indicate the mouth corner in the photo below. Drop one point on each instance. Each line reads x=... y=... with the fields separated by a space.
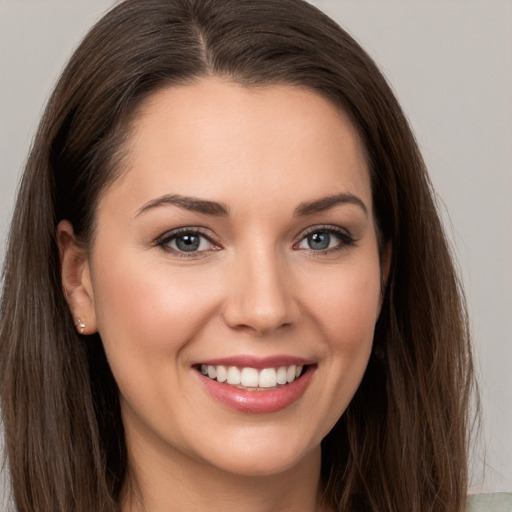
x=256 y=390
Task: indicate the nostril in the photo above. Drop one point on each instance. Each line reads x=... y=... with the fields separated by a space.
x=258 y=321
x=260 y=297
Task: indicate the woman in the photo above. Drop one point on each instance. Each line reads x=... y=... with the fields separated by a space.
x=227 y=285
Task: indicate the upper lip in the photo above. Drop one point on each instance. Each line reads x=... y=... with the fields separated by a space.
x=248 y=361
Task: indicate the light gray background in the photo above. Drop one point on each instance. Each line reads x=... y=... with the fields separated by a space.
x=450 y=63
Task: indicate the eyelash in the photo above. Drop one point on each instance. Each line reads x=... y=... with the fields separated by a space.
x=345 y=240
x=167 y=238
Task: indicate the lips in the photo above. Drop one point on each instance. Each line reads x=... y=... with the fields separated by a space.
x=233 y=382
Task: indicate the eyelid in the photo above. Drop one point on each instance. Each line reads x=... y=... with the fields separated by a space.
x=346 y=238
x=163 y=241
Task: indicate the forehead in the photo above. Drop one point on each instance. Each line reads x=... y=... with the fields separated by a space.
x=217 y=138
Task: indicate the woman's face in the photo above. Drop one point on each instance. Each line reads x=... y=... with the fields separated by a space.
x=240 y=242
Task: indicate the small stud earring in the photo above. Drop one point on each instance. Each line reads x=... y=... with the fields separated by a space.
x=80 y=325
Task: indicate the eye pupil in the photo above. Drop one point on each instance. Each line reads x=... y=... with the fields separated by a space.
x=188 y=242
x=319 y=240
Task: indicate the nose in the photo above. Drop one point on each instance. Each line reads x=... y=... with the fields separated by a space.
x=261 y=297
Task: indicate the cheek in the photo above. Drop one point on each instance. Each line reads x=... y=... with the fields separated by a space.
x=148 y=308
x=346 y=308
x=346 y=305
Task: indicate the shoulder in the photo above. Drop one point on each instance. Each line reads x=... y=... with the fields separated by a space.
x=495 y=502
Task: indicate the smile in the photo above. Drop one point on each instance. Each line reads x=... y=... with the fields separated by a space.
x=252 y=379
x=251 y=385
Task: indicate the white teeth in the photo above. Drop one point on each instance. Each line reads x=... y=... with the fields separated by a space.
x=222 y=374
x=251 y=377
x=281 y=375
x=267 y=378
x=233 y=375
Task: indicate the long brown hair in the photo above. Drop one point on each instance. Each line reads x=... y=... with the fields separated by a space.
x=401 y=445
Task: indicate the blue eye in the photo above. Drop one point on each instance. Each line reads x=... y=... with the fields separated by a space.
x=319 y=241
x=186 y=241
x=325 y=239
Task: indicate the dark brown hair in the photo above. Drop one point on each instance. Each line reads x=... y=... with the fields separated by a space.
x=401 y=445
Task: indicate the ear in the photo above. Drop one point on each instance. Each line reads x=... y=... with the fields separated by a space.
x=76 y=279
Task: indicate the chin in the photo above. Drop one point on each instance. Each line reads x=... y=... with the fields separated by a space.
x=264 y=457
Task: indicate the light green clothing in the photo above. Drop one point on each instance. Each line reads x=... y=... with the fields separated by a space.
x=495 y=502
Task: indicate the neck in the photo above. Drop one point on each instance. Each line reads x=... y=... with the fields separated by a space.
x=176 y=483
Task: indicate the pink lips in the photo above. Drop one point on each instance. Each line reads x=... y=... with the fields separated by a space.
x=258 y=401
x=257 y=362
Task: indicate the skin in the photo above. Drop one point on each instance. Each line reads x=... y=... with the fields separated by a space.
x=256 y=288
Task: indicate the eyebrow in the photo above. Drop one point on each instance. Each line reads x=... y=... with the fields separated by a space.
x=325 y=203
x=215 y=209
x=192 y=204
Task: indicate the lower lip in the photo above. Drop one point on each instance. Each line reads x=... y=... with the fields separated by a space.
x=257 y=402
